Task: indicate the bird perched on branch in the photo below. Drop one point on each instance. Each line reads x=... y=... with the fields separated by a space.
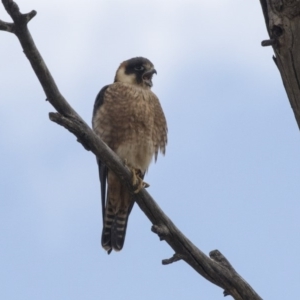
x=128 y=117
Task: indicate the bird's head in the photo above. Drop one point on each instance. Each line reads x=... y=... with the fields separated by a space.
x=137 y=71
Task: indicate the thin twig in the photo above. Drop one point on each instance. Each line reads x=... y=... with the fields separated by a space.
x=174 y=258
x=9 y=27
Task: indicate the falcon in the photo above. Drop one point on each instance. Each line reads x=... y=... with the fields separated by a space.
x=128 y=117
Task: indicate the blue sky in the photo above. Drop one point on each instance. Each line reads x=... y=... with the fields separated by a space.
x=229 y=180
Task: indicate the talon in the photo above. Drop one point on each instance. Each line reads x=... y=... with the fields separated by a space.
x=146 y=185
x=138 y=181
x=138 y=189
x=135 y=178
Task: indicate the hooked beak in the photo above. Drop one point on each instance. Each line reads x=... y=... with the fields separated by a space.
x=147 y=77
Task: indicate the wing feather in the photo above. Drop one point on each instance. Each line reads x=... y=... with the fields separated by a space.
x=103 y=184
x=101 y=166
x=160 y=128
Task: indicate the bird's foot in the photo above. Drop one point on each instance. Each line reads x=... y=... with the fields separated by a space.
x=137 y=180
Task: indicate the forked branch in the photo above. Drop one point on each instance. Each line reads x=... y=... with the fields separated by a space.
x=215 y=269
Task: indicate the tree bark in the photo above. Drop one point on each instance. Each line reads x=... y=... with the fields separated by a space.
x=215 y=268
x=282 y=19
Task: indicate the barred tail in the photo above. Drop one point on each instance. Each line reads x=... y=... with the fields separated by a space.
x=118 y=230
x=109 y=218
x=114 y=229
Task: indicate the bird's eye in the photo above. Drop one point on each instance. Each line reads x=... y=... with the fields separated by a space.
x=139 y=68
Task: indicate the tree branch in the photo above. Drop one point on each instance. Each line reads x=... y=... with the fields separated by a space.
x=282 y=19
x=215 y=269
x=7 y=26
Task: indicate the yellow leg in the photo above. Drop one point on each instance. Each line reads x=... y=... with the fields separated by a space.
x=137 y=180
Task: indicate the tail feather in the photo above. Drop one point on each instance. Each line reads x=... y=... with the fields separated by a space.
x=117 y=209
x=114 y=229
x=107 y=227
x=118 y=230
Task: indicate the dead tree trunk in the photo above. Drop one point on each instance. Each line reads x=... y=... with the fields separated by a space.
x=283 y=24
x=214 y=268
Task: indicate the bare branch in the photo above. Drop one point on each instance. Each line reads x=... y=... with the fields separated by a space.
x=271 y=42
x=174 y=258
x=161 y=230
x=10 y=27
x=13 y=10
x=211 y=269
x=218 y=257
x=36 y=60
x=282 y=19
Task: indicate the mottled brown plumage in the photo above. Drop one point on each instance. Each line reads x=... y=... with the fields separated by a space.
x=129 y=119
